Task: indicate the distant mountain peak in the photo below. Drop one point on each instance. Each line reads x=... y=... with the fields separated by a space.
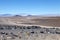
x=5 y=15
x=17 y=15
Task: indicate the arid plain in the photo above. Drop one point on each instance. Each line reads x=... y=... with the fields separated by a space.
x=43 y=31
x=31 y=20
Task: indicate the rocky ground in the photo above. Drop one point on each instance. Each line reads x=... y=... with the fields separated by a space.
x=10 y=32
x=29 y=28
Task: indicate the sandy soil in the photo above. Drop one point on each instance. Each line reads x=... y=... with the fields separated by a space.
x=44 y=21
x=36 y=20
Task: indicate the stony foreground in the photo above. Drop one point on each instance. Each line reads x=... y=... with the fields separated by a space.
x=28 y=33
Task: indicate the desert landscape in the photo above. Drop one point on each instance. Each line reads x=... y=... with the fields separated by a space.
x=31 y=20
x=29 y=28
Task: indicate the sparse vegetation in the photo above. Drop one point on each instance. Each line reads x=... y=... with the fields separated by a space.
x=28 y=28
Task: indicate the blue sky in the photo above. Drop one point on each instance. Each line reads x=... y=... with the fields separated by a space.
x=34 y=7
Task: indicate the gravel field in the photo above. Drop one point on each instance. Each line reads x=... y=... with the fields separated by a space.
x=29 y=33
